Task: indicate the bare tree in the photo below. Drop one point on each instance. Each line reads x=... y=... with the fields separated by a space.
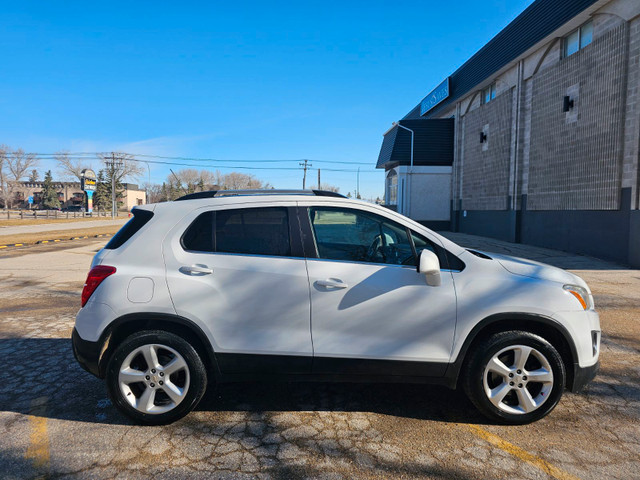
x=14 y=165
x=329 y=188
x=119 y=167
x=240 y=181
x=123 y=166
x=71 y=168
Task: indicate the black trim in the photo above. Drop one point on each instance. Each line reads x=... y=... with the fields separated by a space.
x=152 y=321
x=365 y=366
x=197 y=195
x=453 y=370
x=86 y=353
x=327 y=193
x=245 y=363
x=139 y=220
x=295 y=235
x=582 y=376
x=306 y=230
x=227 y=193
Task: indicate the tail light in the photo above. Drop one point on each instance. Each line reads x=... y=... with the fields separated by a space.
x=94 y=278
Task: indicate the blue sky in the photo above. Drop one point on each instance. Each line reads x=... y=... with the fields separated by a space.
x=231 y=80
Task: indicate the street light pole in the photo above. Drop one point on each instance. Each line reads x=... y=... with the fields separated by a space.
x=408 y=212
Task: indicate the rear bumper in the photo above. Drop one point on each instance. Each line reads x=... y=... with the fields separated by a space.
x=582 y=376
x=86 y=353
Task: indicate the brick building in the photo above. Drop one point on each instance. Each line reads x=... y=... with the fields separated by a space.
x=71 y=195
x=535 y=139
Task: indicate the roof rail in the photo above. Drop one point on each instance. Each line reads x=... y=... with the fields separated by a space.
x=227 y=193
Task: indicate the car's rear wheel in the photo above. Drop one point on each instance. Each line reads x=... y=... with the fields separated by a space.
x=514 y=377
x=155 y=377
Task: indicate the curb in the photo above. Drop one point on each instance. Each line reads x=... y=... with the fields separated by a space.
x=56 y=240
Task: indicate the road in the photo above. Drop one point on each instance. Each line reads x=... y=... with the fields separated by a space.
x=50 y=227
x=56 y=420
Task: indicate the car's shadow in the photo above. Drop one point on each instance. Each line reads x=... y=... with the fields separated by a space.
x=41 y=377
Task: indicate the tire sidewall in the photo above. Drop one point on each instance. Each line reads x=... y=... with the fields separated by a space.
x=495 y=343
x=197 y=374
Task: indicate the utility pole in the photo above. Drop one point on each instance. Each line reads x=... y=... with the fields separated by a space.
x=305 y=165
x=358 y=184
x=114 y=165
x=319 y=179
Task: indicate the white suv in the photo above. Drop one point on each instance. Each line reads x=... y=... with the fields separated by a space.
x=309 y=285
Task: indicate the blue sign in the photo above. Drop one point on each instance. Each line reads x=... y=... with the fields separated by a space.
x=437 y=95
x=30 y=200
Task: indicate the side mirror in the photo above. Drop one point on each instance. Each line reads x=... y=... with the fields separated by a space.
x=429 y=266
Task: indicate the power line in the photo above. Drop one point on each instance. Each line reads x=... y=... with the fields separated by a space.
x=198 y=159
x=241 y=167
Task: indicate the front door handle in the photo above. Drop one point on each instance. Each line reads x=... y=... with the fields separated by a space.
x=331 y=283
x=196 y=269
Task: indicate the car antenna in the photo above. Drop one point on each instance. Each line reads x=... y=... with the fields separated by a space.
x=178 y=181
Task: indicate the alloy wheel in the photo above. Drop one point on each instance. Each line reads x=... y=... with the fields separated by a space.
x=518 y=379
x=154 y=378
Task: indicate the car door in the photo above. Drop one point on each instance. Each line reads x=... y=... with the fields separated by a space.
x=240 y=274
x=371 y=311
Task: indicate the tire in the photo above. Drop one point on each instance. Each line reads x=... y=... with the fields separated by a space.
x=514 y=377
x=155 y=377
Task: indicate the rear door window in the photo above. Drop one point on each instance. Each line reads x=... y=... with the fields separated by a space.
x=250 y=231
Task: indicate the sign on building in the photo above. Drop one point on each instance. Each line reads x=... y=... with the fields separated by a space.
x=437 y=95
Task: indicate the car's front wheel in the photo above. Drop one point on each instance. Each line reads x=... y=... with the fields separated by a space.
x=514 y=377
x=155 y=377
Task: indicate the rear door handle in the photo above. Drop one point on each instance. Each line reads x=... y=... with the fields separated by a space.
x=197 y=269
x=331 y=283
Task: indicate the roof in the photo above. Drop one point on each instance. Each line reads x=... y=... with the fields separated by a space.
x=536 y=22
x=432 y=143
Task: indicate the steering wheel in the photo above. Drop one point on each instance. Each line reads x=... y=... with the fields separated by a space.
x=374 y=250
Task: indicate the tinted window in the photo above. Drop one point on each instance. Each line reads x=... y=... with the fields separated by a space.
x=139 y=220
x=447 y=259
x=199 y=235
x=255 y=231
x=353 y=235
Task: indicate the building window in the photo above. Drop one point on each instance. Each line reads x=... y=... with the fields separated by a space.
x=489 y=93
x=578 y=39
x=392 y=188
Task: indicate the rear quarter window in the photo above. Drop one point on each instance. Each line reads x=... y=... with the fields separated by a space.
x=140 y=219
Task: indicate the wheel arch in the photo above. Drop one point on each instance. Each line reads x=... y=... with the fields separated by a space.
x=129 y=324
x=546 y=327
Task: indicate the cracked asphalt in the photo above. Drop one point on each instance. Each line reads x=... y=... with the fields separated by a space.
x=57 y=422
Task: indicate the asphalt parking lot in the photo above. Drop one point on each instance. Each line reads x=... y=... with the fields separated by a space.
x=56 y=420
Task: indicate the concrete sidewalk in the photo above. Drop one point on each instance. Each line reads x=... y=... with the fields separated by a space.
x=49 y=227
x=557 y=258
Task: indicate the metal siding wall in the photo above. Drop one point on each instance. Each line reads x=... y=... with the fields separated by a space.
x=575 y=162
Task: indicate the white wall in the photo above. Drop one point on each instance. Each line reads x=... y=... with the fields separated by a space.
x=427 y=193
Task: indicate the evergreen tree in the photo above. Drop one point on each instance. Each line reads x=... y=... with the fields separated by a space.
x=102 y=195
x=34 y=177
x=49 y=194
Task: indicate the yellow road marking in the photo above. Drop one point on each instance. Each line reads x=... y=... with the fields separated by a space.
x=3 y=246
x=17 y=244
x=38 y=450
x=56 y=240
x=44 y=241
x=523 y=455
